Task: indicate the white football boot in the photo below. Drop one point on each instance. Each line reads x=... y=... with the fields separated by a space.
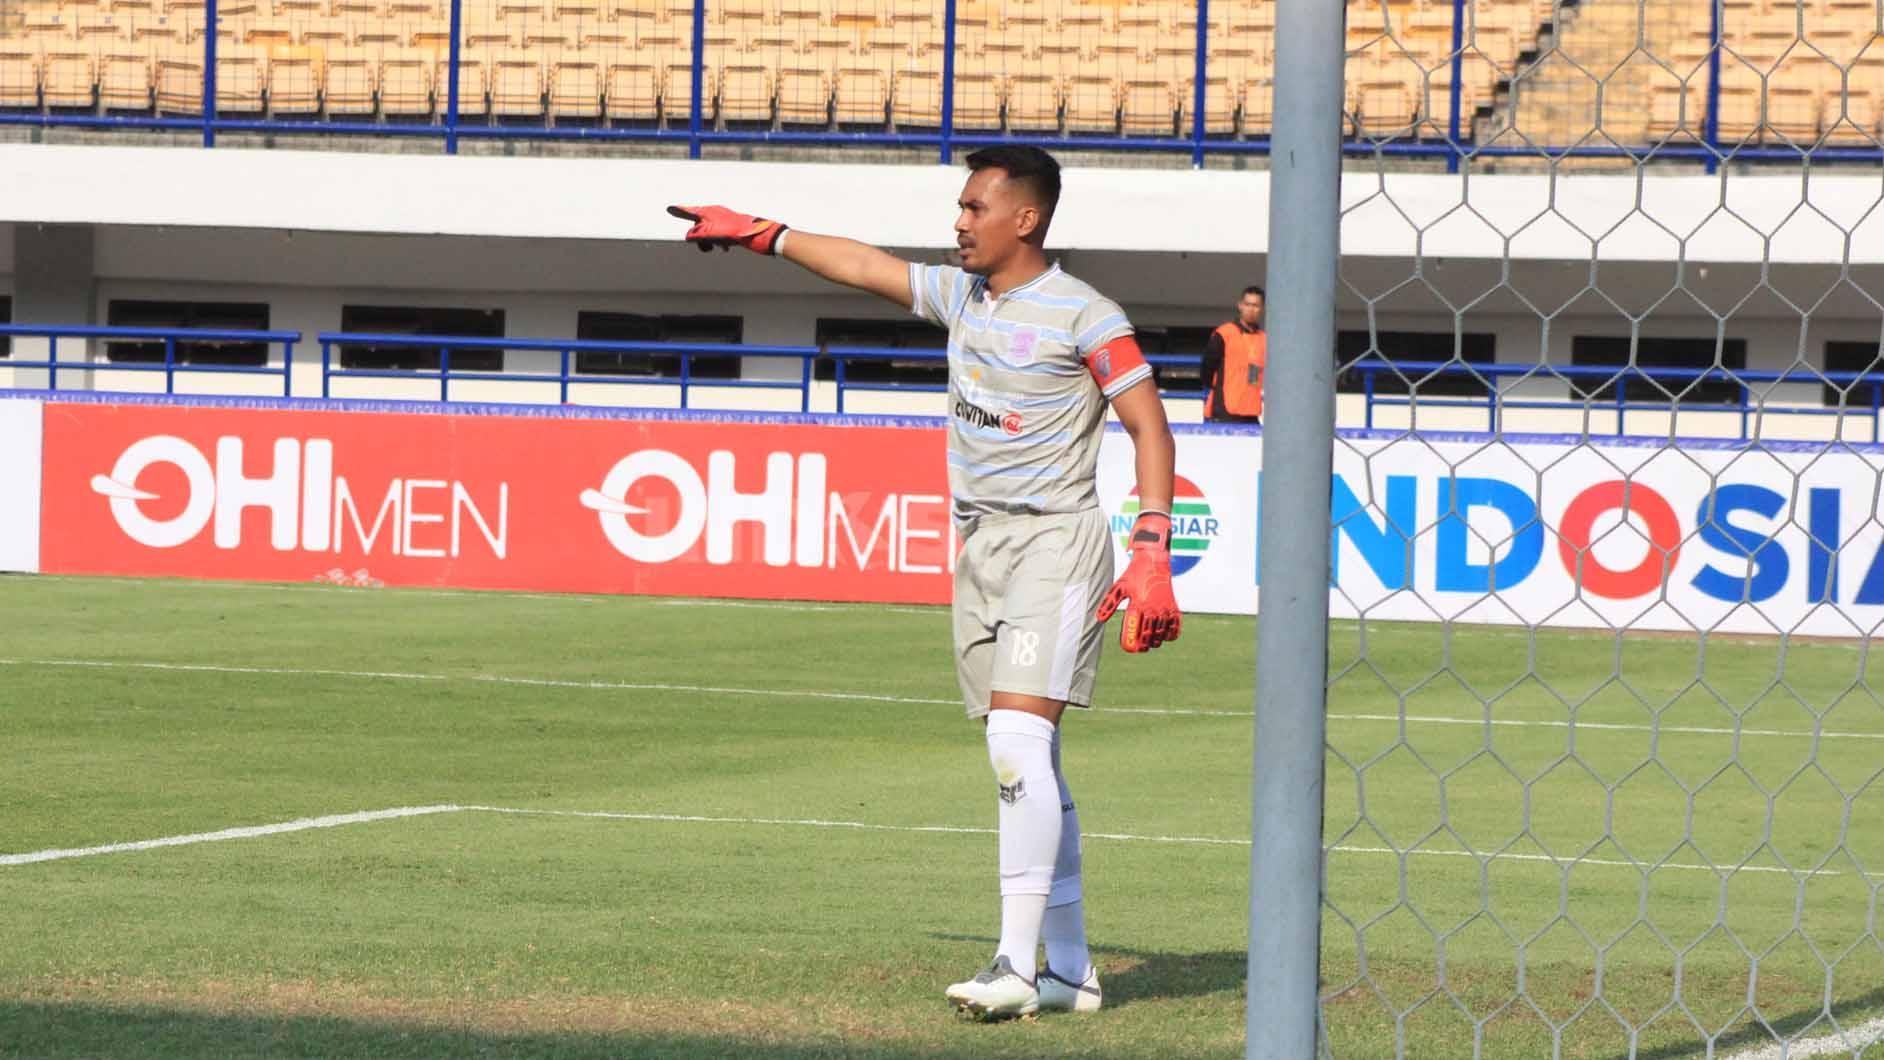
x=997 y=993
x=1064 y=995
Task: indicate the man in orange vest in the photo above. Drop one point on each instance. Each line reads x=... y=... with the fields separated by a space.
x=1233 y=364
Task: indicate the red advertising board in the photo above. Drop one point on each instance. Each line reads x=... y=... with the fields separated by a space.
x=660 y=507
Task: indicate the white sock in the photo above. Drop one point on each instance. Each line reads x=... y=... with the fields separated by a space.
x=1063 y=929
x=1020 y=747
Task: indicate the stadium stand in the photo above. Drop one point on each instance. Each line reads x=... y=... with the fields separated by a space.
x=1528 y=69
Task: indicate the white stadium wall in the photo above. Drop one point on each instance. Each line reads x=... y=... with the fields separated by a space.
x=19 y=484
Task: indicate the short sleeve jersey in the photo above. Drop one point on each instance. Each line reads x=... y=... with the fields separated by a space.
x=1028 y=386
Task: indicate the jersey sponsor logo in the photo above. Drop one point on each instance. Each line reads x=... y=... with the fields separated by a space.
x=1012 y=423
x=1020 y=347
x=976 y=416
x=1193 y=526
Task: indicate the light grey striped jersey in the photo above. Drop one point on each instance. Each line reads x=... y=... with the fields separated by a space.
x=1026 y=410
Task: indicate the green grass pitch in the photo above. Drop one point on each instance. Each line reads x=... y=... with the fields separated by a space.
x=671 y=828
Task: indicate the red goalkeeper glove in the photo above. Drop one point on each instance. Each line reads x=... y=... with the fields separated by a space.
x=1152 y=616
x=717 y=226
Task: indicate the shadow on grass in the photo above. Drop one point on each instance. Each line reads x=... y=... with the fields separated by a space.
x=1148 y=976
x=1793 y=1023
x=59 y=1030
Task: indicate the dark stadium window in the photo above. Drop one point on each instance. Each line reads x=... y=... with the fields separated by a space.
x=6 y=317
x=420 y=320
x=636 y=327
x=1402 y=347
x=1612 y=351
x=1858 y=357
x=223 y=316
x=888 y=335
x=1176 y=340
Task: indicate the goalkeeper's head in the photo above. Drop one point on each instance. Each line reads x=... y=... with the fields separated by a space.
x=1006 y=206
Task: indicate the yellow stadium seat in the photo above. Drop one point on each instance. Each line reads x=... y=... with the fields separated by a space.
x=924 y=13
x=352 y=82
x=1387 y=109
x=1853 y=120
x=48 y=26
x=732 y=11
x=861 y=92
x=804 y=92
x=520 y=10
x=124 y=81
x=584 y=11
x=1148 y=99
x=635 y=13
x=325 y=35
x=1092 y=102
x=677 y=94
x=746 y=90
x=802 y=12
x=241 y=76
x=1030 y=14
x=179 y=81
x=1258 y=95
x=1033 y=100
x=379 y=36
x=1795 y=96
x=575 y=86
x=99 y=32
x=632 y=91
x=517 y=84
x=1146 y=17
x=980 y=91
x=854 y=12
x=406 y=88
x=1221 y=88
x=1675 y=112
x=19 y=74
x=269 y=32
x=294 y=84
x=473 y=86
x=916 y=94
x=68 y=76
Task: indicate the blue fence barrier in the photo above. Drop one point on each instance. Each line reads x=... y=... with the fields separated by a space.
x=1493 y=390
x=171 y=365
x=1654 y=390
x=1444 y=132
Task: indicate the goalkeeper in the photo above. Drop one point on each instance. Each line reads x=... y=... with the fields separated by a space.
x=1034 y=356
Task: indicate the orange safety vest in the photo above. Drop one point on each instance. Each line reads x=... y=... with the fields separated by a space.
x=1244 y=353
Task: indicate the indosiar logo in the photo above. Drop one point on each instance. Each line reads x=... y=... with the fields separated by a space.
x=1193 y=526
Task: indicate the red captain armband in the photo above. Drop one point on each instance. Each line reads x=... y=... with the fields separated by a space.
x=1113 y=362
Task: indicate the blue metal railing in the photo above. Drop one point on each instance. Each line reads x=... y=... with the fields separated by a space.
x=1495 y=389
x=685 y=380
x=1655 y=391
x=170 y=337
x=1456 y=147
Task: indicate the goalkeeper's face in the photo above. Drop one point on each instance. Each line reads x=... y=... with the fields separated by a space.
x=997 y=220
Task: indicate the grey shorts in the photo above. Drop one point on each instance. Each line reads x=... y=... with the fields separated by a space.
x=1026 y=587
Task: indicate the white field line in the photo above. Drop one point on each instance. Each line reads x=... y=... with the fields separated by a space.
x=299 y=824
x=1853 y=1041
x=303 y=824
x=865 y=697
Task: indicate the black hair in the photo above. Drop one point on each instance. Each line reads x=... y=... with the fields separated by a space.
x=1257 y=291
x=1024 y=165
